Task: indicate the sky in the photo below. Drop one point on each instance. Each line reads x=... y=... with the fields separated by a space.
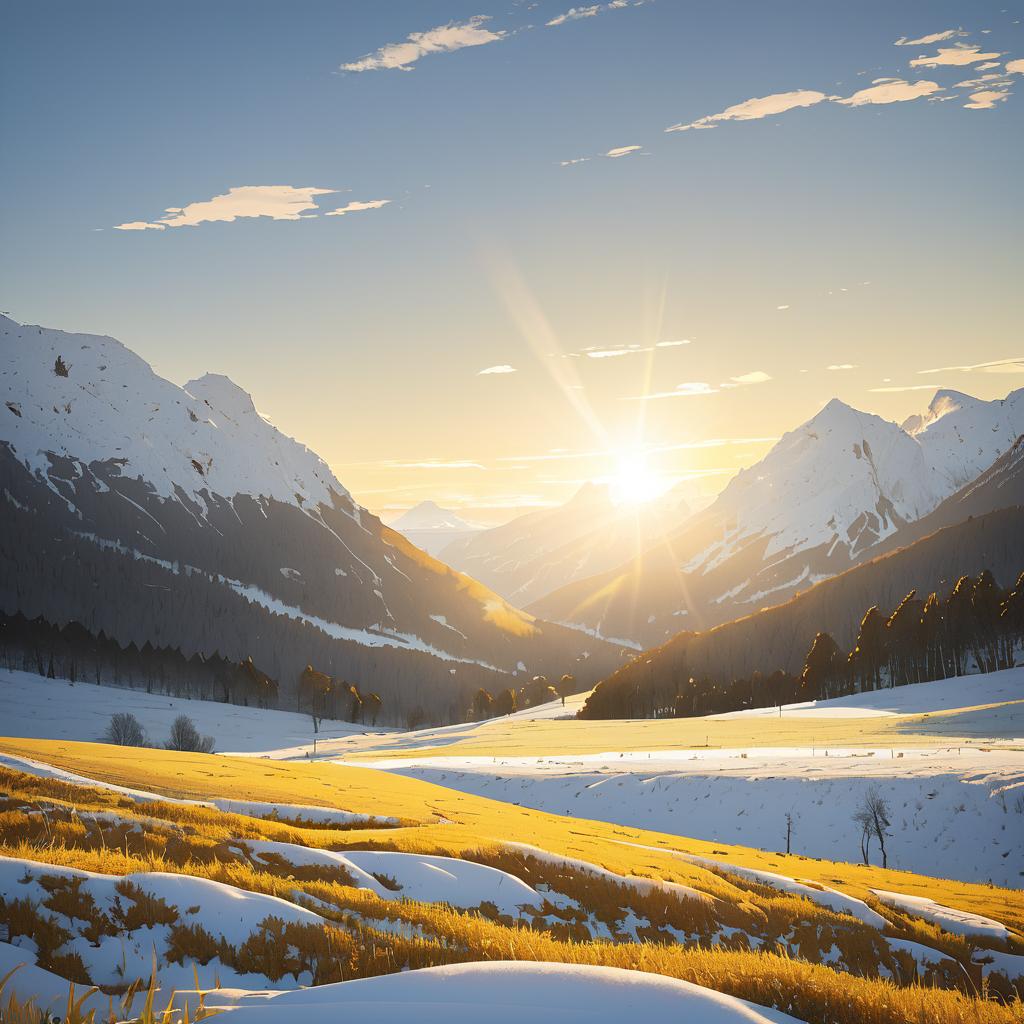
x=482 y=252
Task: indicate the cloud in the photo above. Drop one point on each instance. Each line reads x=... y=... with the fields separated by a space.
x=782 y=307
x=561 y=454
x=686 y=390
x=138 y=225
x=355 y=207
x=755 y=109
x=954 y=56
x=1015 y=364
x=903 y=387
x=1015 y=67
x=613 y=353
x=985 y=99
x=442 y=39
x=279 y=202
x=935 y=37
x=575 y=14
x=577 y=160
x=597 y=352
x=502 y=368
x=622 y=151
x=755 y=377
x=436 y=464
x=842 y=366
x=891 y=90
x=578 y=13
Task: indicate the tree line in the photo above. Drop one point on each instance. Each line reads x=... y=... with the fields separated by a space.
x=978 y=626
x=74 y=653
x=506 y=702
x=324 y=696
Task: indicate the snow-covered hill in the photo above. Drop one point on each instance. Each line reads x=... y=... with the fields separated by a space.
x=825 y=496
x=209 y=529
x=955 y=811
x=431 y=527
x=536 y=553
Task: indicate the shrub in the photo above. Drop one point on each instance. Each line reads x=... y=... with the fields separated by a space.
x=185 y=736
x=125 y=731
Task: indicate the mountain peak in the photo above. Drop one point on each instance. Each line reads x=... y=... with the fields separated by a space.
x=944 y=402
x=428 y=515
x=221 y=393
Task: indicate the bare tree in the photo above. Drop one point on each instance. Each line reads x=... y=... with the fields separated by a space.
x=185 y=736
x=125 y=730
x=873 y=818
x=789 y=830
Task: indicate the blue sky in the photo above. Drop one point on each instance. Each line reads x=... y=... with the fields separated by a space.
x=890 y=231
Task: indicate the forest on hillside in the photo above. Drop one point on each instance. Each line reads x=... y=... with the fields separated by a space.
x=977 y=626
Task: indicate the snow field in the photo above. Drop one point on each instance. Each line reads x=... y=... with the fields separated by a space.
x=500 y=993
x=34 y=707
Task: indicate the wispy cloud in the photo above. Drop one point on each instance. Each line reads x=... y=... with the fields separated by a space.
x=622 y=151
x=954 y=56
x=561 y=454
x=688 y=389
x=935 y=37
x=902 y=387
x=1015 y=67
x=842 y=366
x=1015 y=364
x=891 y=90
x=279 y=202
x=442 y=39
x=355 y=207
x=577 y=160
x=756 y=108
x=501 y=368
x=615 y=352
x=590 y=11
x=754 y=377
x=436 y=464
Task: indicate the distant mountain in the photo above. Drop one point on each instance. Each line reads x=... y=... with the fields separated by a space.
x=779 y=637
x=541 y=551
x=183 y=517
x=431 y=527
x=824 y=498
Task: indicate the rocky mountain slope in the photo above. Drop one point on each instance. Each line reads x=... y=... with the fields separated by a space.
x=181 y=516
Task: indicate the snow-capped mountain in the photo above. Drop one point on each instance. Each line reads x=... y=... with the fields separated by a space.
x=961 y=436
x=431 y=527
x=183 y=517
x=536 y=553
x=820 y=501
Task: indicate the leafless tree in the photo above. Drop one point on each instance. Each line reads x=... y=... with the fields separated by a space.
x=125 y=731
x=185 y=736
x=873 y=818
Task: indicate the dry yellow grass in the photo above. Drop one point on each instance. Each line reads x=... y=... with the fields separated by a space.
x=456 y=823
x=472 y=827
x=974 y=726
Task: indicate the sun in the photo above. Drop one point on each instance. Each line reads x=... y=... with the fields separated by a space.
x=634 y=482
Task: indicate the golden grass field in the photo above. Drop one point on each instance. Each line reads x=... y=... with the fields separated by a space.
x=978 y=726
x=477 y=820
x=433 y=820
